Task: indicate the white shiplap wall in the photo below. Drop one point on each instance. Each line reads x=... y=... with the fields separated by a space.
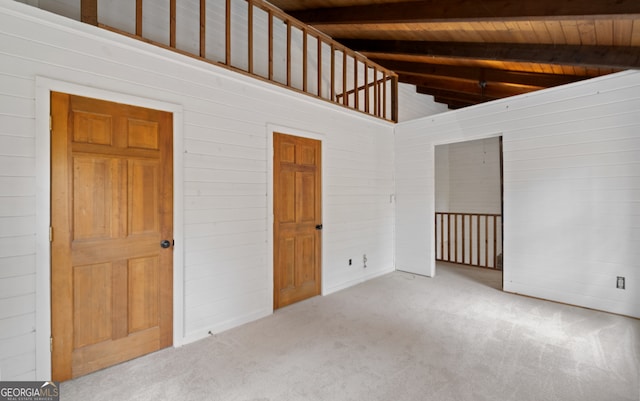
x=471 y=170
x=412 y=105
x=228 y=119
x=571 y=189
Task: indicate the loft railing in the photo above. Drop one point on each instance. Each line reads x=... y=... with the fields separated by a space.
x=473 y=239
x=300 y=63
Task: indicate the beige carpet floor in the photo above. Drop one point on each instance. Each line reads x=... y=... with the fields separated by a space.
x=398 y=337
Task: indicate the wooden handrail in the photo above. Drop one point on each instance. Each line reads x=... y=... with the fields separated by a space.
x=89 y=13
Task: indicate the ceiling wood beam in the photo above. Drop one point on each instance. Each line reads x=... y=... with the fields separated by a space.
x=459 y=96
x=454 y=104
x=623 y=57
x=493 y=90
x=465 y=10
x=477 y=73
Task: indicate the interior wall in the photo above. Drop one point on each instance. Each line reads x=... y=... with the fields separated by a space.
x=571 y=189
x=412 y=105
x=226 y=127
x=468 y=176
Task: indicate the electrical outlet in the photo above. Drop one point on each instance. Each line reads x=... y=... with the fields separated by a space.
x=620 y=283
x=350 y=262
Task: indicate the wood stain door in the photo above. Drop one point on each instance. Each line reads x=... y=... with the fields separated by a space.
x=111 y=210
x=297 y=218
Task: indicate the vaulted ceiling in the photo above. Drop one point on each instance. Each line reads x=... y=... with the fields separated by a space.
x=465 y=52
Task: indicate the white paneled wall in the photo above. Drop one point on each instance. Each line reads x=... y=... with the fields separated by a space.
x=226 y=128
x=571 y=189
x=468 y=176
x=412 y=105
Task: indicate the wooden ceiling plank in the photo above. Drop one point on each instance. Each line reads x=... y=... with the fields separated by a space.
x=587 y=29
x=571 y=33
x=540 y=32
x=463 y=10
x=518 y=31
x=635 y=33
x=555 y=32
x=623 y=57
x=604 y=32
x=622 y=29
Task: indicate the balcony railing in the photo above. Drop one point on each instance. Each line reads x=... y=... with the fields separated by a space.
x=472 y=239
x=255 y=38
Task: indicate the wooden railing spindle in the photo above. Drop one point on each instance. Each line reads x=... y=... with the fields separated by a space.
x=384 y=95
x=366 y=88
x=288 y=53
x=227 y=47
x=139 y=9
x=463 y=234
x=486 y=240
x=89 y=11
x=345 y=97
x=441 y=235
x=305 y=48
x=319 y=69
x=172 y=23
x=250 y=36
x=375 y=91
x=495 y=244
x=455 y=236
x=270 y=19
x=203 y=28
x=333 y=73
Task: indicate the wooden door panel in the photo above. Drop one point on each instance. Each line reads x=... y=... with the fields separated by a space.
x=144 y=177
x=306 y=252
x=287 y=152
x=287 y=263
x=287 y=196
x=111 y=207
x=297 y=211
x=108 y=353
x=142 y=134
x=93 y=200
x=144 y=293
x=306 y=197
x=307 y=155
x=91 y=304
x=92 y=128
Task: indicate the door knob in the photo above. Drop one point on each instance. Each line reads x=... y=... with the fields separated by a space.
x=319 y=227
x=165 y=244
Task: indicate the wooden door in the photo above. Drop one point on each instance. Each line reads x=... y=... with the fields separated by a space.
x=297 y=218
x=111 y=207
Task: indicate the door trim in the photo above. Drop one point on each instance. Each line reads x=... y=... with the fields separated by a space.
x=271 y=129
x=43 y=208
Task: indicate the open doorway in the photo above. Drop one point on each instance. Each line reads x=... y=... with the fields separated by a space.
x=469 y=204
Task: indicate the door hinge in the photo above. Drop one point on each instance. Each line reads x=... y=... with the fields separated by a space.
x=51 y=344
x=50 y=123
x=50 y=234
